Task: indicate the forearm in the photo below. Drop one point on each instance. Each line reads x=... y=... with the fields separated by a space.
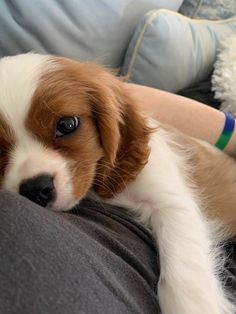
x=189 y=116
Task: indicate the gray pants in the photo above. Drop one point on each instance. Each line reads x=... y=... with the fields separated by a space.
x=94 y=260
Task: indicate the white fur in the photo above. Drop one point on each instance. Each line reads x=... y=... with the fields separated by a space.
x=163 y=200
x=224 y=75
x=19 y=77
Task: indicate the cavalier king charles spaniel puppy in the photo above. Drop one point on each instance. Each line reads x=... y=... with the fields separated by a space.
x=69 y=130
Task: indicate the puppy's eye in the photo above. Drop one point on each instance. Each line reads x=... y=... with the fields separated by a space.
x=66 y=126
x=3 y=152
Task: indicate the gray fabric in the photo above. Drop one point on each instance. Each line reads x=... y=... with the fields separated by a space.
x=202 y=92
x=97 y=261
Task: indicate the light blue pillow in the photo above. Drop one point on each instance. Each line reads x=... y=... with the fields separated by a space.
x=171 y=52
x=87 y=29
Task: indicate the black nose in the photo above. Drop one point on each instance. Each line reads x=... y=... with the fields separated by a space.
x=39 y=189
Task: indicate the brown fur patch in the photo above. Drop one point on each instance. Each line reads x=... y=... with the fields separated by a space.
x=104 y=150
x=132 y=154
x=7 y=141
x=213 y=174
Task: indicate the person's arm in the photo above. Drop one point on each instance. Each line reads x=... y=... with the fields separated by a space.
x=187 y=115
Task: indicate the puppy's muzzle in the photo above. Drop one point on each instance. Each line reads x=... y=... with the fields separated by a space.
x=40 y=189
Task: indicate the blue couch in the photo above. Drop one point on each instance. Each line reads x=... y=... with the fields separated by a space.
x=153 y=47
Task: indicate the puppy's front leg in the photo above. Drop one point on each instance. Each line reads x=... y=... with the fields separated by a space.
x=187 y=283
x=163 y=200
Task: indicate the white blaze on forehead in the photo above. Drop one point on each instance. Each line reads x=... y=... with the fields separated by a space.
x=19 y=77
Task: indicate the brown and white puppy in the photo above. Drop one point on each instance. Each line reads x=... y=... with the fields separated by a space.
x=67 y=128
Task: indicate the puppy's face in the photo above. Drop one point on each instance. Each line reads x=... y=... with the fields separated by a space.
x=60 y=128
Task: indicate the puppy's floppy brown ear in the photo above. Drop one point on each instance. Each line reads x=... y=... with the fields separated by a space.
x=107 y=115
x=124 y=136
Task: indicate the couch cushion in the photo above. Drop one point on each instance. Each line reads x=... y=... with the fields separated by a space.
x=89 y=30
x=171 y=52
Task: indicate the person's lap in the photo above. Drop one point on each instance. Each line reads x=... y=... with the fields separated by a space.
x=97 y=260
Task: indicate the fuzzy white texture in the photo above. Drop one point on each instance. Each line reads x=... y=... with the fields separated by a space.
x=224 y=75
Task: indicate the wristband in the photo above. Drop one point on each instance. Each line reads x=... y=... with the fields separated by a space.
x=227 y=131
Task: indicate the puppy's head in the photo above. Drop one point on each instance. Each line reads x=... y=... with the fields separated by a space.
x=66 y=126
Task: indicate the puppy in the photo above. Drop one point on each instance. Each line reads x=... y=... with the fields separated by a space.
x=67 y=128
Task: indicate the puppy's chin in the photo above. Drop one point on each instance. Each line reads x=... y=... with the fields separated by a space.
x=62 y=204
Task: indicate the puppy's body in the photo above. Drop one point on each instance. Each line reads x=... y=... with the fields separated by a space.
x=186 y=221
x=182 y=188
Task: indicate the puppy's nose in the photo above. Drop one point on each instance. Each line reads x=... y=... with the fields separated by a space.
x=39 y=189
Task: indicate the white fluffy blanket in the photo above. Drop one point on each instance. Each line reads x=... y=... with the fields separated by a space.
x=224 y=75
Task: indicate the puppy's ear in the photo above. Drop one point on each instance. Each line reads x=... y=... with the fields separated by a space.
x=106 y=109
x=124 y=136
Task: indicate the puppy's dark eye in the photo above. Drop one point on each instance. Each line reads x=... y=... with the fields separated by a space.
x=2 y=151
x=66 y=126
